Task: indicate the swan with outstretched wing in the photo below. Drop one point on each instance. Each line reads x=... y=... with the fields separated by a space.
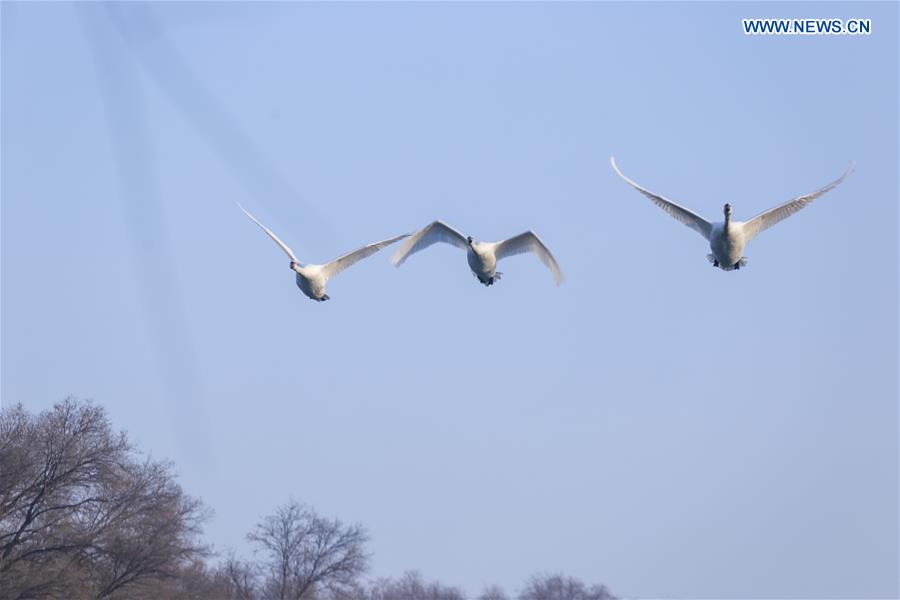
x=311 y=279
x=482 y=256
x=728 y=238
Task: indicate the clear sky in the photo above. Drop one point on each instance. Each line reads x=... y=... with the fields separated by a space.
x=654 y=424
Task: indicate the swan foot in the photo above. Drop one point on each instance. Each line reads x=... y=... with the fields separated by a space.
x=324 y=298
x=490 y=280
x=725 y=267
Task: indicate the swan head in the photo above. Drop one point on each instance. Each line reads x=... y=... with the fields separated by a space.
x=727 y=210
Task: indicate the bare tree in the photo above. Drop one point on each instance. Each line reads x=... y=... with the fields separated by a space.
x=194 y=581
x=80 y=513
x=493 y=592
x=411 y=586
x=306 y=553
x=241 y=578
x=561 y=587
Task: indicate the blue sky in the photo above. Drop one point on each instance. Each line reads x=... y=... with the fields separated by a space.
x=654 y=424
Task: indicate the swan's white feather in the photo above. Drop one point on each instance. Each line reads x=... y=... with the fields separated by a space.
x=331 y=269
x=766 y=219
x=274 y=237
x=679 y=213
x=433 y=233
x=529 y=242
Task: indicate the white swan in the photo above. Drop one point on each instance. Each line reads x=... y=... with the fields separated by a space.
x=482 y=256
x=311 y=279
x=728 y=238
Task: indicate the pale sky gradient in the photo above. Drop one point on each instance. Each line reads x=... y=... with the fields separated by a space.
x=657 y=425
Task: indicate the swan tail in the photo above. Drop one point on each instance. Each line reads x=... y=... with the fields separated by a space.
x=740 y=264
x=491 y=281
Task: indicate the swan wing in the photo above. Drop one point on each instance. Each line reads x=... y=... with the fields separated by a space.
x=274 y=237
x=339 y=264
x=764 y=220
x=529 y=242
x=430 y=234
x=679 y=213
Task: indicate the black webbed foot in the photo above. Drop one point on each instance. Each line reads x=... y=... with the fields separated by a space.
x=715 y=263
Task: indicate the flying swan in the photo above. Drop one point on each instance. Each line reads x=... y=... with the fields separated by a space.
x=482 y=256
x=727 y=239
x=311 y=279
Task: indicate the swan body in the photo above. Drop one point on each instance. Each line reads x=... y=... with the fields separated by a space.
x=311 y=279
x=482 y=261
x=727 y=245
x=481 y=256
x=728 y=238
